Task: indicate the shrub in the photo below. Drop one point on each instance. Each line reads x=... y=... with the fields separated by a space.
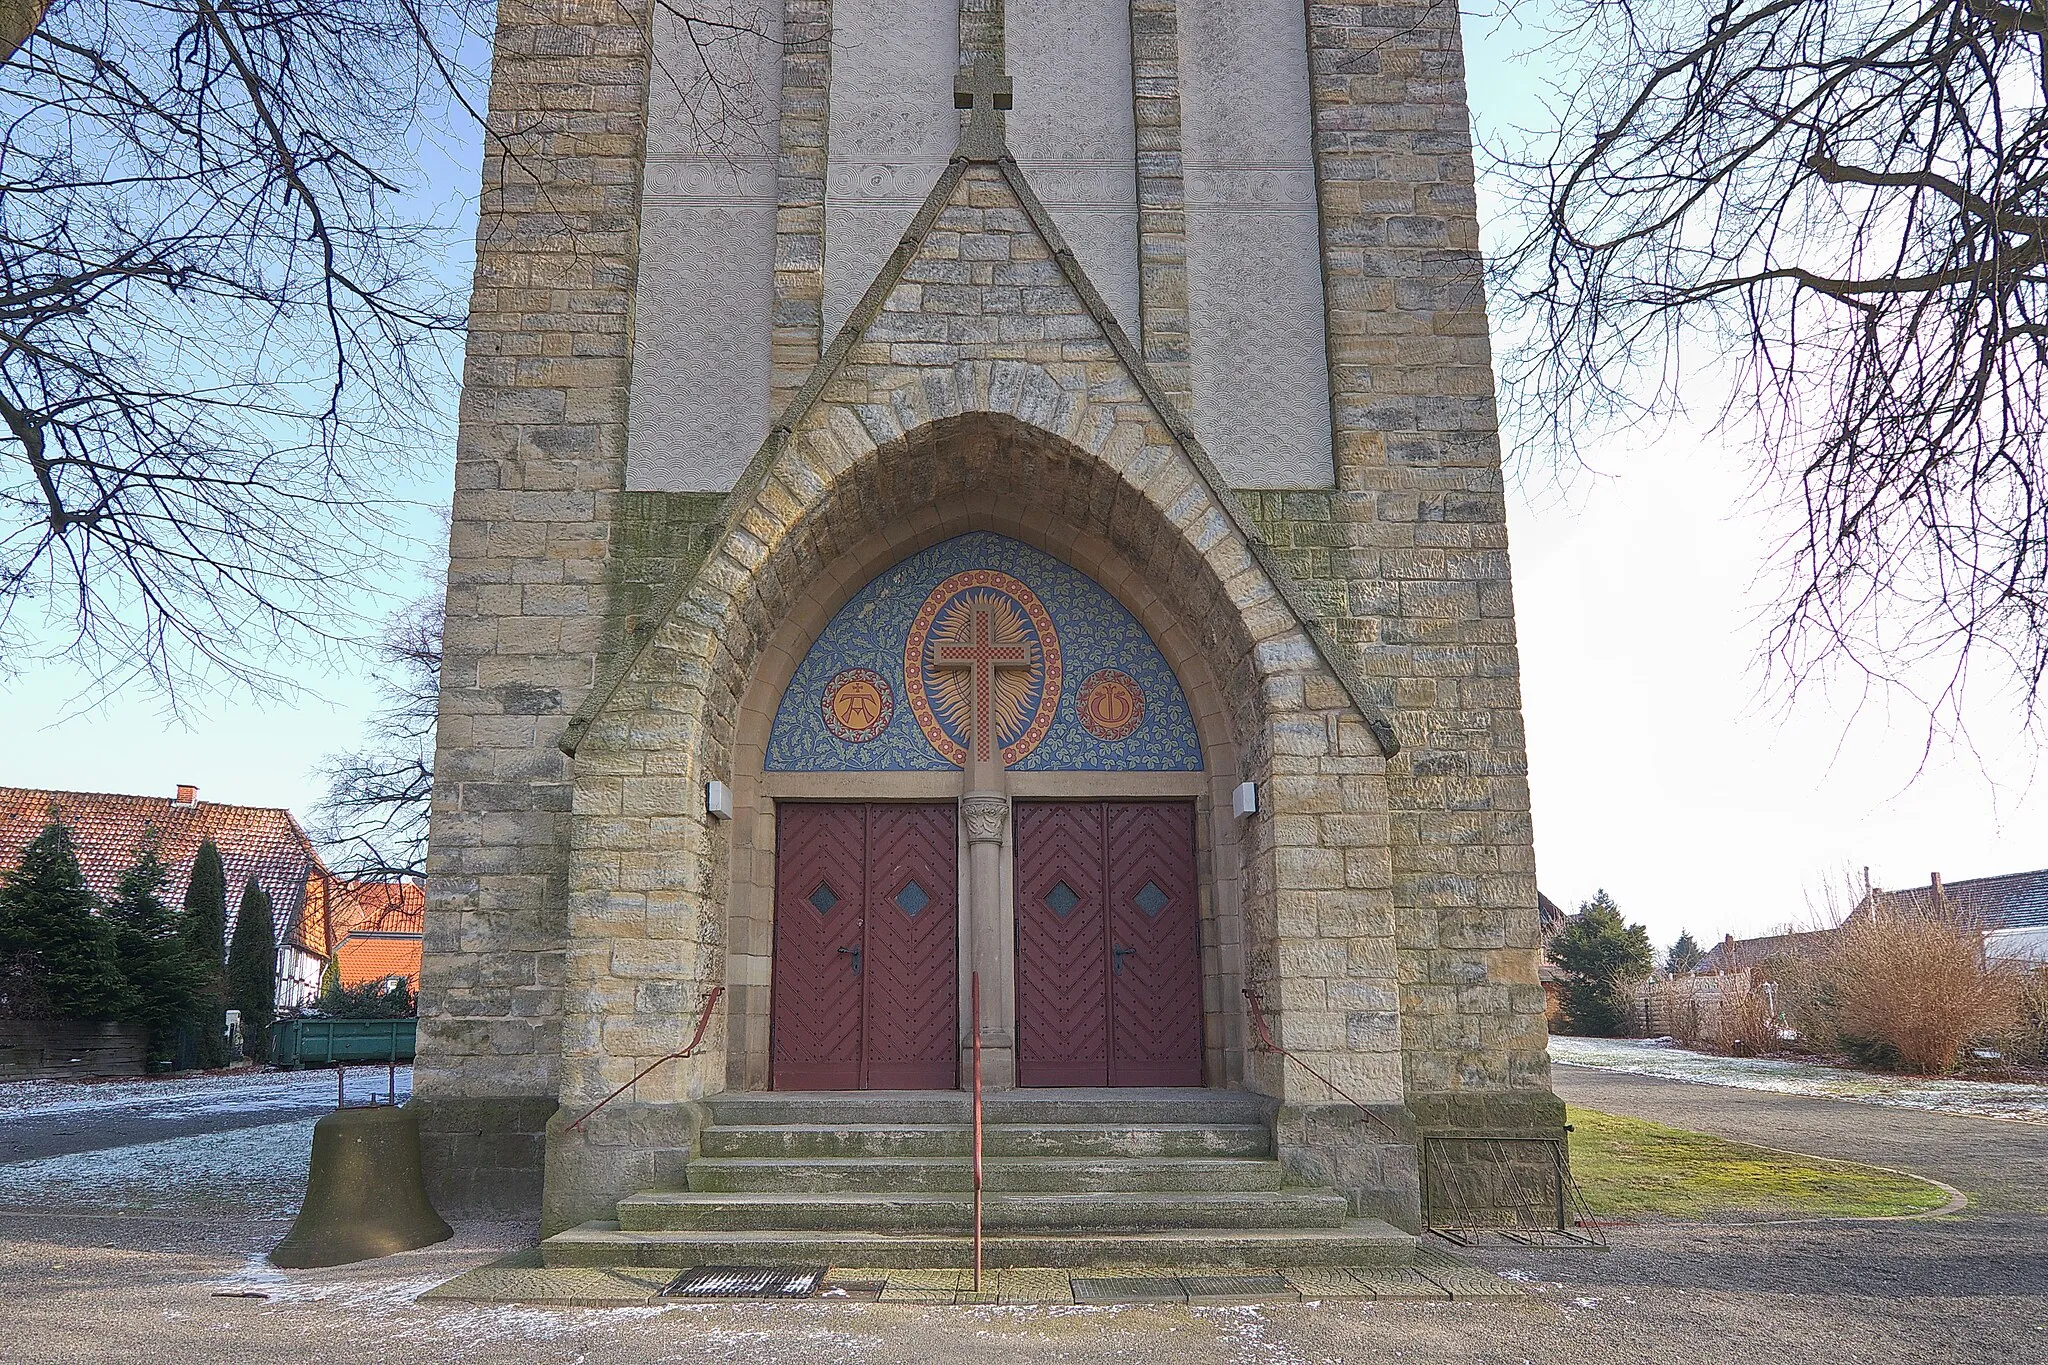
x=252 y=970
x=1908 y=990
x=2027 y=1040
x=370 y=1000
x=203 y=929
x=162 y=984
x=56 y=955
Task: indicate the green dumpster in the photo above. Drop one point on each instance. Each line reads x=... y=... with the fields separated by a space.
x=323 y=1042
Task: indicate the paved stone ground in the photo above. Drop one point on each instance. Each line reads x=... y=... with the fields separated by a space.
x=1967 y=1288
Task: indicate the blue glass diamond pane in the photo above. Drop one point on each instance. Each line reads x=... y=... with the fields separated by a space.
x=912 y=899
x=1061 y=899
x=823 y=899
x=1151 y=899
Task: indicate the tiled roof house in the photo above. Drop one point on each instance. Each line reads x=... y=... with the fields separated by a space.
x=2011 y=909
x=263 y=841
x=379 y=931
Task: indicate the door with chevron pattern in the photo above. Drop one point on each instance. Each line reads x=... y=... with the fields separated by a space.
x=866 y=978
x=1109 y=956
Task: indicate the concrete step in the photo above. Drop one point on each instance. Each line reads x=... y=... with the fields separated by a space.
x=1101 y=1175
x=689 y=1211
x=998 y=1140
x=1136 y=1107
x=1358 y=1242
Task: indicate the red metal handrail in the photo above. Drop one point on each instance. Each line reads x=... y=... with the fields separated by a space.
x=1268 y=1045
x=703 y=1022
x=976 y=993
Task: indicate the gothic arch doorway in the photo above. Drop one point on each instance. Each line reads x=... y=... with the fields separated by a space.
x=983 y=674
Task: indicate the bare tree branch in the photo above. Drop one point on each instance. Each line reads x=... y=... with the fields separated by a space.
x=1839 y=207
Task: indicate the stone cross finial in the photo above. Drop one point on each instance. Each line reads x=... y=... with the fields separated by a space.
x=985 y=89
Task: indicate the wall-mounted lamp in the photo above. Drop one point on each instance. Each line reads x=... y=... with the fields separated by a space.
x=718 y=800
x=1245 y=800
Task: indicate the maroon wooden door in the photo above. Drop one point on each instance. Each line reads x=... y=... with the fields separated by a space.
x=1109 y=964
x=1062 y=928
x=913 y=956
x=866 y=970
x=1155 y=978
x=820 y=888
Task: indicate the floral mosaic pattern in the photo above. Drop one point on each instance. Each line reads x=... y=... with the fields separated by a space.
x=1135 y=701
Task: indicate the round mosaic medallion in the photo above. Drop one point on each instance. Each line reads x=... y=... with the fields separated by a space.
x=1110 y=704
x=858 y=705
x=982 y=635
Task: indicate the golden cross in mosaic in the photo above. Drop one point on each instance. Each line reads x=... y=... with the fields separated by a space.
x=982 y=656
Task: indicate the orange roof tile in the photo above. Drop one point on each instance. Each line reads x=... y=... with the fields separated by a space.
x=396 y=907
x=111 y=830
x=370 y=956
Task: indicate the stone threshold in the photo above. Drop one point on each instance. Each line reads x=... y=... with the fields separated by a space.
x=1436 y=1276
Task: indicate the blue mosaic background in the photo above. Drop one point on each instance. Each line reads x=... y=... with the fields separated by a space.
x=1094 y=632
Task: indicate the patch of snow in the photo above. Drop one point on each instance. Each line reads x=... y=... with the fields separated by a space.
x=1652 y=1057
x=259 y=1170
x=234 y=1092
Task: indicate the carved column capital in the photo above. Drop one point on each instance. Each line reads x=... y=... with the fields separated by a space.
x=986 y=814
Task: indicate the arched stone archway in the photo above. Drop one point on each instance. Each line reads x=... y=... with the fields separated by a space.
x=1220 y=849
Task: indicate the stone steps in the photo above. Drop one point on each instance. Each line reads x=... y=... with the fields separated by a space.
x=894 y=1211
x=1363 y=1242
x=903 y=1140
x=1035 y=1108
x=1046 y=1175
x=1074 y=1178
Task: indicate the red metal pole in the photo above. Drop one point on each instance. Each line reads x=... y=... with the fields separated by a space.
x=976 y=981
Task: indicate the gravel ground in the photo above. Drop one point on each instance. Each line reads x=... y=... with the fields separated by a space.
x=79 y=1284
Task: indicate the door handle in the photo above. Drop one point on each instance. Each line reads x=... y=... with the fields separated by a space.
x=854 y=952
x=1119 y=954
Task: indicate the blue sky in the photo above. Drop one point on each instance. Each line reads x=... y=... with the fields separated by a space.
x=1660 y=768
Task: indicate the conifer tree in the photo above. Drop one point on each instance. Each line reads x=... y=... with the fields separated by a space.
x=1602 y=959
x=1684 y=957
x=252 y=970
x=56 y=961
x=162 y=985
x=202 y=929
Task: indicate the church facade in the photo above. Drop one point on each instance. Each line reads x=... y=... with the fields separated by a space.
x=976 y=513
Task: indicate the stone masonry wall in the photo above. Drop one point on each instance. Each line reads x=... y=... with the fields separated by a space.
x=539 y=460
x=1410 y=550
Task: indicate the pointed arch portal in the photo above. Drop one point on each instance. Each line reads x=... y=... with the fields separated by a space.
x=1088 y=910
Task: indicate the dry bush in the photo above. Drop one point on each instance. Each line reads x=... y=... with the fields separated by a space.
x=2027 y=1040
x=1747 y=1024
x=1911 y=990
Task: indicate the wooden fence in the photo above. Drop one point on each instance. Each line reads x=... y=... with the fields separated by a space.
x=1695 y=1009
x=64 y=1049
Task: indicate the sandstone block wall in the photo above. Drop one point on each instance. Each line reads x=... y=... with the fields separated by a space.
x=540 y=461
x=1411 y=547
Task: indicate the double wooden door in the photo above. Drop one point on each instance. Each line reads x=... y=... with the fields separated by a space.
x=866 y=985
x=1109 y=958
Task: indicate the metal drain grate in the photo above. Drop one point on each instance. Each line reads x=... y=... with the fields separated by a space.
x=746 y=1282
x=1128 y=1289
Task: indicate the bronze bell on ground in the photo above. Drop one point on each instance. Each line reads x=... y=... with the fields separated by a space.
x=365 y=1196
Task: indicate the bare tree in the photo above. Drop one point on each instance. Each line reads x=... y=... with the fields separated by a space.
x=373 y=820
x=228 y=324
x=1837 y=212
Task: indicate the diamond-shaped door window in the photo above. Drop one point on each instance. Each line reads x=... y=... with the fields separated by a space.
x=1062 y=899
x=1150 y=899
x=912 y=898
x=823 y=899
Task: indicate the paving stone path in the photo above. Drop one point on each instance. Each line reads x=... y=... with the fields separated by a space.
x=1971 y=1288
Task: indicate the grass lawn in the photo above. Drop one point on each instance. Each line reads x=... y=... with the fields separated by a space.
x=1632 y=1169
